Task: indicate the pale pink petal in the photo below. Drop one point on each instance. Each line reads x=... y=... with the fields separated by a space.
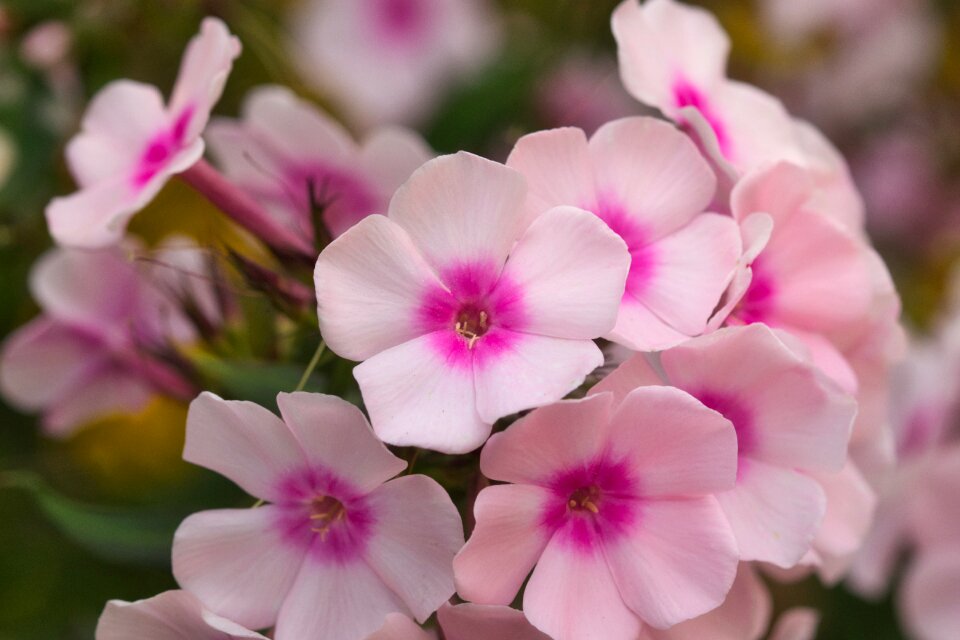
x=755 y=231
x=774 y=512
x=930 y=593
x=850 y=507
x=676 y=445
x=556 y=164
x=237 y=563
x=390 y=155
x=677 y=562
x=460 y=209
x=653 y=171
x=778 y=190
x=243 y=155
x=94 y=217
x=531 y=371
x=569 y=594
x=294 y=129
x=555 y=437
x=204 y=68
x=786 y=412
x=244 y=442
x=96 y=157
x=400 y=627
x=103 y=391
x=336 y=601
x=505 y=544
x=659 y=39
x=126 y=113
x=43 y=360
x=637 y=371
x=640 y=329
x=484 y=622
x=744 y=614
x=824 y=354
x=418 y=531
x=572 y=271
x=798 y=623
x=370 y=282
x=172 y=615
x=693 y=267
x=335 y=434
x=416 y=398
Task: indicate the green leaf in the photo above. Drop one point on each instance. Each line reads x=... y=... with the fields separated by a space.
x=127 y=535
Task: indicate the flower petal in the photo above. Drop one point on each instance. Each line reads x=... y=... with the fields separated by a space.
x=637 y=371
x=676 y=445
x=370 y=282
x=103 y=391
x=236 y=562
x=504 y=545
x=415 y=397
x=774 y=512
x=640 y=329
x=552 y=439
x=336 y=435
x=244 y=442
x=483 y=622
x=336 y=602
x=929 y=595
x=460 y=209
x=530 y=371
x=571 y=591
x=678 y=562
x=418 y=531
x=400 y=627
x=653 y=171
x=572 y=271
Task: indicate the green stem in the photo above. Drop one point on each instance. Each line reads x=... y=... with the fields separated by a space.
x=313 y=365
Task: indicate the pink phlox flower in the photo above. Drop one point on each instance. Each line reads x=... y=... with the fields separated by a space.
x=131 y=142
x=339 y=545
x=460 y=309
x=613 y=508
x=790 y=420
x=391 y=60
x=292 y=158
x=91 y=352
x=649 y=184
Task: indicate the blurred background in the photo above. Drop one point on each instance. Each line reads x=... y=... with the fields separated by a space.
x=90 y=517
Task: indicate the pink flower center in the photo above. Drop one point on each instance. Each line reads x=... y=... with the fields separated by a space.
x=593 y=502
x=161 y=148
x=322 y=513
x=737 y=413
x=401 y=22
x=757 y=303
x=642 y=252
x=477 y=313
x=685 y=94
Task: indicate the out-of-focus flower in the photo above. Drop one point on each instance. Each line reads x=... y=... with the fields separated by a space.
x=463 y=311
x=47 y=45
x=339 y=547
x=172 y=615
x=300 y=164
x=789 y=418
x=614 y=506
x=583 y=92
x=799 y=623
x=390 y=60
x=131 y=143
x=649 y=184
x=92 y=352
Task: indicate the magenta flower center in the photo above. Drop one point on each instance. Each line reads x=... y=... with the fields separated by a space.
x=161 y=148
x=686 y=94
x=758 y=302
x=471 y=324
x=643 y=262
x=585 y=499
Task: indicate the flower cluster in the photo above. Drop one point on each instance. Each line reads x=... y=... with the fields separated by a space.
x=649 y=364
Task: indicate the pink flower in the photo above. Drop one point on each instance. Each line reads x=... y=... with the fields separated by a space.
x=131 y=143
x=484 y=622
x=674 y=56
x=290 y=157
x=90 y=353
x=615 y=508
x=339 y=546
x=806 y=265
x=649 y=184
x=461 y=312
x=583 y=91
x=744 y=614
x=172 y=615
x=788 y=417
x=391 y=60
x=798 y=623
x=930 y=594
